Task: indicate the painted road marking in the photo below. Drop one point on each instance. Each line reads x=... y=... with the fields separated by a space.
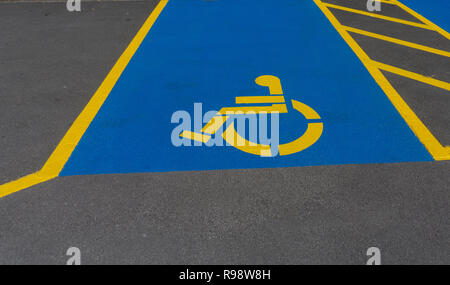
x=438 y=151
x=210 y=52
x=412 y=75
x=378 y=16
x=304 y=77
x=397 y=41
x=438 y=10
x=230 y=135
x=259 y=99
x=59 y=157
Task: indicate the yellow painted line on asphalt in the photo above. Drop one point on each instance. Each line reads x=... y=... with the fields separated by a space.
x=63 y=151
x=382 y=17
x=397 y=41
x=434 y=147
x=412 y=75
x=385 y=1
x=382 y=1
x=23 y=183
x=423 y=19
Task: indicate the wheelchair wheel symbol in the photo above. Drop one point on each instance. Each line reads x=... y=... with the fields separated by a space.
x=232 y=137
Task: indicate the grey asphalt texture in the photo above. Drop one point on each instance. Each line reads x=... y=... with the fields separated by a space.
x=52 y=62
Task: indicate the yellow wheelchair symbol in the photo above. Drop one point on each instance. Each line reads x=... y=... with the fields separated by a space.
x=276 y=98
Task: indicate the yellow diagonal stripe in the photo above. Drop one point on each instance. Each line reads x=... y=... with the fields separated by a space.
x=382 y=17
x=412 y=75
x=437 y=151
x=398 y=41
x=423 y=19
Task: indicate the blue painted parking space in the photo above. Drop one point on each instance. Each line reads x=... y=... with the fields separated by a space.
x=211 y=52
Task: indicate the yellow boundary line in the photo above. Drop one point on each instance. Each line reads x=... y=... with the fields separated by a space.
x=60 y=156
x=397 y=41
x=385 y=1
x=374 y=15
x=63 y=151
x=412 y=75
x=437 y=151
x=382 y=1
x=423 y=19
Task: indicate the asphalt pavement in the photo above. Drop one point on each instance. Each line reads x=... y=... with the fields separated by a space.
x=52 y=62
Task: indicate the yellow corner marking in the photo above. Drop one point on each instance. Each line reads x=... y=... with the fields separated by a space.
x=65 y=148
x=259 y=99
x=374 y=15
x=272 y=82
x=24 y=183
x=437 y=151
x=63 y=151
x=412 y=75
x=397 y=41
x=423 y=19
